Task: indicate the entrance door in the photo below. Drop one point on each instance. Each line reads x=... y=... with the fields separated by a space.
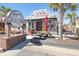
x=39 y=26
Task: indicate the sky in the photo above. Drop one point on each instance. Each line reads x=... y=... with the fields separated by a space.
x=27 y=8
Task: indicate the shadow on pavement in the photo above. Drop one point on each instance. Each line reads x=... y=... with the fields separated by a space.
x=37 y=41
x=21 y=45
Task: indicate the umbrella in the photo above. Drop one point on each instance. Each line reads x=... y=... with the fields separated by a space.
x=46 y=24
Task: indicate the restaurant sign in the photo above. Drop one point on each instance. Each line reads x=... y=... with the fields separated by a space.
x=16 y=18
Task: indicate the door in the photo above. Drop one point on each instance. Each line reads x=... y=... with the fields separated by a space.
x=38 y=26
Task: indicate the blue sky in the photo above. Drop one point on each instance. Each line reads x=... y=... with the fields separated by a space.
x=27 y=8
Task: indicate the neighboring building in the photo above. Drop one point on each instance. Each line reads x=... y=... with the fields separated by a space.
x=75 y=26
x=2 y=25
x=36 y=21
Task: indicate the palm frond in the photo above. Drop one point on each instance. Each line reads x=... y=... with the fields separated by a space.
x=5 y=10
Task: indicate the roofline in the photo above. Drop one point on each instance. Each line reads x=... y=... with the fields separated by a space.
x=40 y=17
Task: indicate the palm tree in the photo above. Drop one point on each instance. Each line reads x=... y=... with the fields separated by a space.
x=70 y=16
x=5 y=10
x=72 y=7
x=60 y=8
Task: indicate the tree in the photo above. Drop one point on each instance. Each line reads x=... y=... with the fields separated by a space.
x=60 y=8
x=72 y=15
x=73 y=7
x=4 y=11
x=69 y=16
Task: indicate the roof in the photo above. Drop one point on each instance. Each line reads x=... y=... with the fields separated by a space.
x=40 y=14
x=39 y=17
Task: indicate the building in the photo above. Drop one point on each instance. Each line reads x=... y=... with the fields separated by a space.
x=76 y=28
x=2 y=25
x=73 y=27
x=36 y=21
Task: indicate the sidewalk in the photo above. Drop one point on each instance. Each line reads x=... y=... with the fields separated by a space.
x=51 y=47
x=15 y=50
x=70 y=44
x=45 y=50
x=46 y=47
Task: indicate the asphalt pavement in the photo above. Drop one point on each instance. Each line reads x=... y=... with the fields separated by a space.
x=58 y=48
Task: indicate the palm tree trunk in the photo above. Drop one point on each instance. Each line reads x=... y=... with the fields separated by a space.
x=59 y=27
x=60 y=23
x=74 y=15
x=71 y=23
x=60 y=31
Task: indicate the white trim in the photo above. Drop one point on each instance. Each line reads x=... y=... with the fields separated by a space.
x=40 y=17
